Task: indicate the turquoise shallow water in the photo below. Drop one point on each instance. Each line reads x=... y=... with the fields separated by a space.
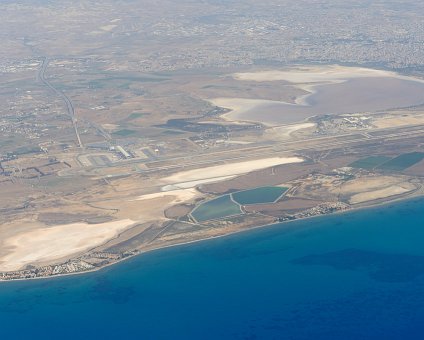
x=358 y=275
x=259 y=195
x=216 y=208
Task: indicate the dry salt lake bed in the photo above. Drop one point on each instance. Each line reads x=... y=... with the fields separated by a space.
x=329 y=90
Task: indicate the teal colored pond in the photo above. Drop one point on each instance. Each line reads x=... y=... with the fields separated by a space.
x=358 y=275
x=217 y=208
x=258 y=195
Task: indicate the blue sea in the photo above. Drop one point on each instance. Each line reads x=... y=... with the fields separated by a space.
x=358 y=275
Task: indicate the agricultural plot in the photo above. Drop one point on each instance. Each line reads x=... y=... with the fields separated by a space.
x=370 y=162
x=402 y=162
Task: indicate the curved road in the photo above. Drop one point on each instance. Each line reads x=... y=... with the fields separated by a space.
x=69 y=106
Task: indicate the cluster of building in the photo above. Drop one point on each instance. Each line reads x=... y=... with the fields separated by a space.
x=295 y=32
x=330 y=124
x=45 y=271
x=22 y=65
x=321 y=209
x=85 y=263
x=30 y=131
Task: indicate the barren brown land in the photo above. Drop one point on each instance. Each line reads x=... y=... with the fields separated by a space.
x=126 y=129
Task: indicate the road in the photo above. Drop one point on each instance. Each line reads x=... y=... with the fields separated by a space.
x=69 y=107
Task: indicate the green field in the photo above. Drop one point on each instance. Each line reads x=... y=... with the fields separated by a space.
x=369 y=162
x=258 y=195
x=217 y=208
x=136 y=115
x=124 y=132
x=402 y=162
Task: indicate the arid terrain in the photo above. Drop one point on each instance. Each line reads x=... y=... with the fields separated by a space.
x=124 y=136
x=129 y=183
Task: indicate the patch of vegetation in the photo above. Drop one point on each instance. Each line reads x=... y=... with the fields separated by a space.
x=370 y=162
x=142 y=79
x=403 y=161
x=124 y=86
x=172 y=132
x=136 y=115
x=124 y=132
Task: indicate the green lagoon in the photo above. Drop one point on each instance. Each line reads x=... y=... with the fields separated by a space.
x=259 y=195
x=215 y=209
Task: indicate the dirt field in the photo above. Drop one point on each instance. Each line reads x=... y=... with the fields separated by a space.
x=229 y=169
x=55 y=242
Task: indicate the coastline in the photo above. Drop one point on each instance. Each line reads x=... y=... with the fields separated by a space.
x=179 y=185
x=416 y=194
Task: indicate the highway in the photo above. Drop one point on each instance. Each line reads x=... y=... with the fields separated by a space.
x=69 y=107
